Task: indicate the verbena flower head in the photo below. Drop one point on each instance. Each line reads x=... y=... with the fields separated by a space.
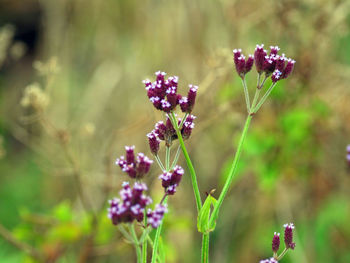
x=154 y=218
x=276 y=242
x=153 y=142
x=166 y=132
x=170 y=180
x=274 y=65
x=348 y=153
x=131 y=204
x=288 y=235
x=137 y=167
x=243 y=65
x=163 y=94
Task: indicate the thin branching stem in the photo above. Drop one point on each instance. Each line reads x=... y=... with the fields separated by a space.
x=188 y=162
x=136 y=242
x=176 y=158
x=246 y=94
x=156 y=238
x=160 y=164
x=263 y=99
x=232 y=171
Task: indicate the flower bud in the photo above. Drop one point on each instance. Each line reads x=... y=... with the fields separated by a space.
x=130 y=155
x=249 y=64
x=288 y=69
x=276 y=76
x=191 y=97
x=276 y=242
x=274 y=50
x=153 y=142
x=259 y=58
x=288 y=236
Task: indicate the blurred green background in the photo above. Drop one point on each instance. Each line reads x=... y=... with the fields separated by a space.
x=90 y=102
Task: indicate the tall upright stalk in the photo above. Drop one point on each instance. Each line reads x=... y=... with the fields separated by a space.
x=232 y=171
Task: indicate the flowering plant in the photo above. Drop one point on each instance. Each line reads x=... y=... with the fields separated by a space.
x=163 y=94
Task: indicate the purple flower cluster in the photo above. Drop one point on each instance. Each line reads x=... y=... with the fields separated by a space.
x=276 y=242
x=278 y=66
x=271 y=260
x=134 y=167
x=166 y=132
x=163 y=94
x=288 y=240
x=170 y=180
x=288 y=236
x=154 y=218
x=130 y=206
x=243 y=65
x=348 y=154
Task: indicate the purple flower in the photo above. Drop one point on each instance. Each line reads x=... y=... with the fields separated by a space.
x=274 y=50
x=271 y=260
x=276 y=76
x=188 y=127
x=153 y=142
x=242 y=65
x=131 y=204
x=276 y=242
x=288 y=235
x=154 y=218
x=259 y=58
x=288 y=69
x=249 y=64
x=191 y=97
x=163 y=94
x=170 y=180
x=135 y=168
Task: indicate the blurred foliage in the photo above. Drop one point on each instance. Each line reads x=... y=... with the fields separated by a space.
x=88 y=59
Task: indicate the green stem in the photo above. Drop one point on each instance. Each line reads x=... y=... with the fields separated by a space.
x=176 y=158
x=246 y=94
x=156 y=238
x=282 y=254
x=159 y=162
x=261 y=102
x=256 y=96
x=232 y=171
x=144 y=246
x=136 y=243
x=205 y=248
x=167 y=158
x=188 y=162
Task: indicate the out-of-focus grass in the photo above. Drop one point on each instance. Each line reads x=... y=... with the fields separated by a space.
x=293 y=166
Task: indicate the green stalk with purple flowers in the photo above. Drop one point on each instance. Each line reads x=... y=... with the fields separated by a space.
x=164 y=96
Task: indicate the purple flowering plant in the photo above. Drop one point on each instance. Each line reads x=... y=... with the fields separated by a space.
x=134 y=205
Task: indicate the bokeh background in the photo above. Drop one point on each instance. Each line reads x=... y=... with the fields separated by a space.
x=71 y=97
